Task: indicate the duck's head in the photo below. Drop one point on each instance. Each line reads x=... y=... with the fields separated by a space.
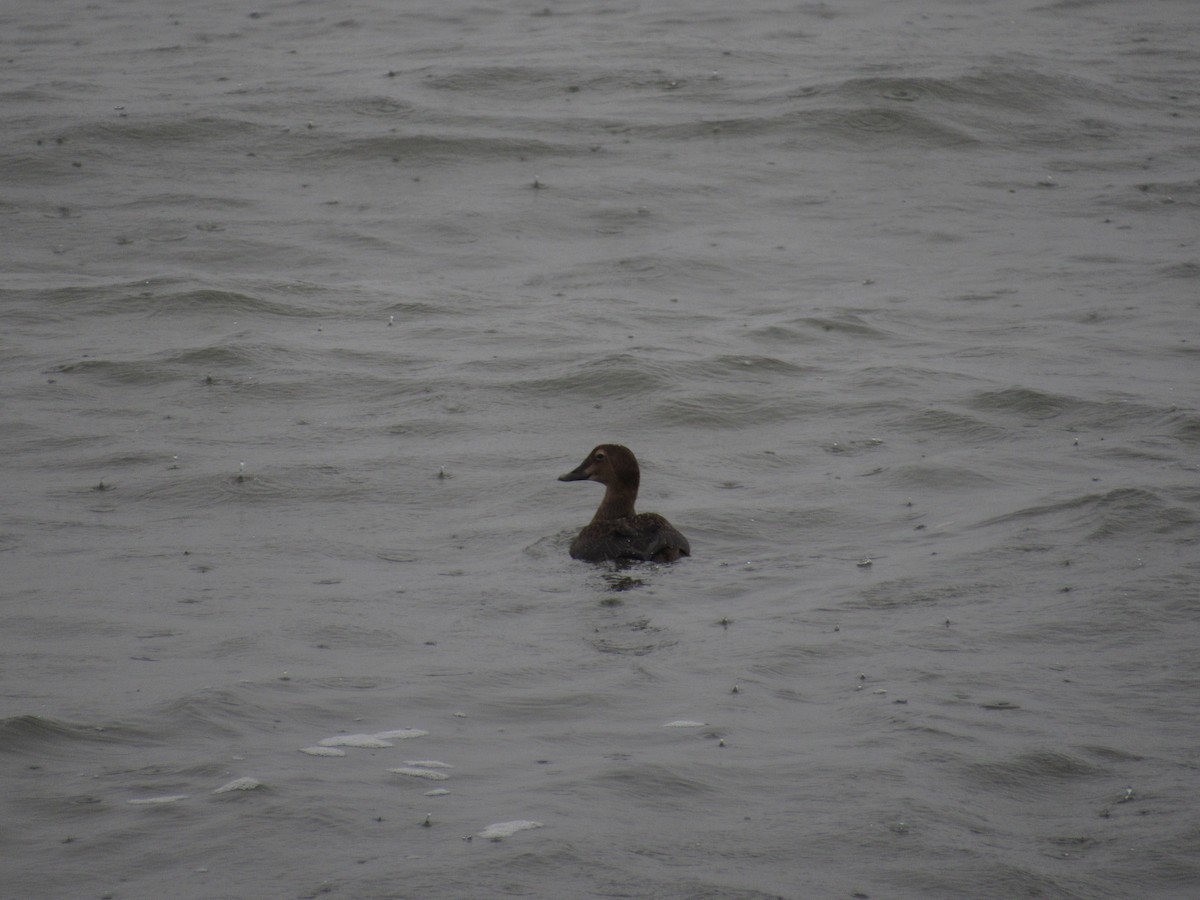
x=609 y=464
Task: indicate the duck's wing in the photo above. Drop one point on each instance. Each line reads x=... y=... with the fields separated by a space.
x=651 y=537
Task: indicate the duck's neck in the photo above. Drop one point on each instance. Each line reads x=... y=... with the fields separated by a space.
x=617 y=503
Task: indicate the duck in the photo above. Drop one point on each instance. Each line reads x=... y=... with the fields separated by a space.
x=616 y=532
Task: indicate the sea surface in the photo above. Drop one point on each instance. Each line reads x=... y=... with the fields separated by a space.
x=305 y=306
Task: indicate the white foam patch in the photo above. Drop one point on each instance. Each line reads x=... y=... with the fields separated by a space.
x=414 y=772
x=437 y=792
x=428 y=764
x=501 y=830
x=239 y=784
x=157 y=801
x=361 y=741
x=322 y=751
x=684 y=723
x=376 y=741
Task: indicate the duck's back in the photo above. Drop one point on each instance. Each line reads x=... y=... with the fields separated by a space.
x=647 y=537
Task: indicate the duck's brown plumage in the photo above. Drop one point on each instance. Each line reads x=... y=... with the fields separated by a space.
x=616 y=532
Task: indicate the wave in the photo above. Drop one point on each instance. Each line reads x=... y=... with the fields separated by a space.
x=948 y=423
x=216 y=711
x=1034 y=772
x=724 y=409
x=154 y=133
x=1025 y=403
x=38 y=735
x=163 y=297
x=1119 y=512
x=610 y=377
x=430 y=149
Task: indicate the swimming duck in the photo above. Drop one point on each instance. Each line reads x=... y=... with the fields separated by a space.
x=616 y=531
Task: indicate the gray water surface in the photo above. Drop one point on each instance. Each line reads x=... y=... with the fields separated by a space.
x=306 y=306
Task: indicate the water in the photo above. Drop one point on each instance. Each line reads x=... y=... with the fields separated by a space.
x=305 y=310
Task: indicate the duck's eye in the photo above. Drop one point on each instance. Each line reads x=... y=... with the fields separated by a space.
x=599 y=456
